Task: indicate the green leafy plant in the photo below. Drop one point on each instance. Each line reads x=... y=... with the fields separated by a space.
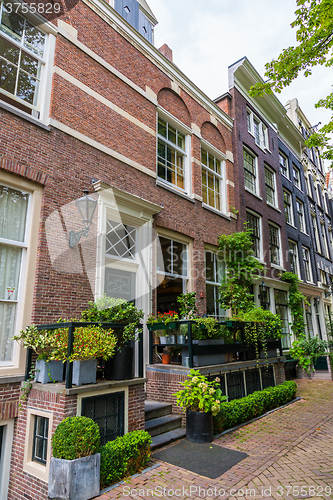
x=27 y=386
x=91 y=342
x=307 y=350
x=206 y=328
x=296 y=303
x=75 y=437
x=236 y=412
x=242 y=267
x=124 y=456
x=166 y=318
x=199 y=394
x=187 y=305
x=111 y=310
x=41 y=341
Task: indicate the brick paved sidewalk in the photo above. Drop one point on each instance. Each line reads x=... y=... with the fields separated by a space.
x=290 y=456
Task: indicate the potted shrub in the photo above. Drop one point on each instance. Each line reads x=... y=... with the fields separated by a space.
x=49 y=366
x=75 y=465
x=201 y=399
x=307 y=350
x=90 y=343
x=111 y=310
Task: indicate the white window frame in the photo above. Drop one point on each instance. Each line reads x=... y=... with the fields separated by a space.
x=285 y=160
x=186 y=153
x=301 y=216
x=288 y=193
x=316 y=234
x=41 y=111
x=218 y=155
x=324 y=238
x=296 y=177
x=308 y=260
x=37 y=469
x=273 y=264
x=297 y=271
x=6 y=453
x=215 y=284
x=259 y=218
x=275 y=203
x=261 y=135
x=28 y=266
x=256 y=177
x=164 y=273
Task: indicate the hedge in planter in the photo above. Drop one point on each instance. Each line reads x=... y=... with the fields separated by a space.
x=124 y=456
x=235 y=412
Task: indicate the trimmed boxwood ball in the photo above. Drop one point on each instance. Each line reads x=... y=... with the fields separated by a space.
x=75 y=437
x=236 y=412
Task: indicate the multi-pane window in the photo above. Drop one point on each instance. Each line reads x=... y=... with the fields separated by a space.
x=13 y=221
x=171 y=154
x=283 y=160
x=308 y=316
x=265 y=296
x=40 y=439
x=307 y=264
x=288 y=207
x=281 y=308
x=274 y=244
x=316 y=235
x=250 y=171
x=211 y=172
x=296 y=177
x=293 y=257
x=324 y=238
x=214 y=278
x=22 y=57
x=253 y=223
x=172 y=273
x=257 y=128
x=270 y=186
x=300 y=216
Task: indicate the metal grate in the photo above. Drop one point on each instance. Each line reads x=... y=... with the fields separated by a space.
x=252 y=378
x=267 y=377
x=235 y=383
x=107 y=411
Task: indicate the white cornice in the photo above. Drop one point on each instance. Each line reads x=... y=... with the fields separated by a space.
x=115 y=20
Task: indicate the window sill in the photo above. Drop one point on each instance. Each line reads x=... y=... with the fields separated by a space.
x=215 y=211
x=174 y=190
x=254 y=194
x=273 y=206
x=285 y=176
x=23 y=115
x=291 y=225
x=275 y=266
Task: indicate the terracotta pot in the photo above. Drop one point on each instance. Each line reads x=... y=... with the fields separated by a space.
x=165 y=359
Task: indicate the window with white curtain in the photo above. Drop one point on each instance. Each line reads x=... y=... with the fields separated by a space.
x=13 y=221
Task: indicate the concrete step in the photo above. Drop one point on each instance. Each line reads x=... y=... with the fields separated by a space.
x=167 y=438
x=164 y=424
x=155 y=409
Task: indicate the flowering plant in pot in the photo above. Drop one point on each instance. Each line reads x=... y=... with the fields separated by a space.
x=202 y=400
x=75 y=465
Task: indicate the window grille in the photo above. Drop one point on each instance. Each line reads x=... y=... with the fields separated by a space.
x=40 y=439
x=267 y=377
x=120 y=240
x=252 y=379
x=235 y=382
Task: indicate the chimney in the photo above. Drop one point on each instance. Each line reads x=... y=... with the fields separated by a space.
x=166 y=51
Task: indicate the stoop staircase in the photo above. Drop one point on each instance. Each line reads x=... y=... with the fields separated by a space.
x=161 y=424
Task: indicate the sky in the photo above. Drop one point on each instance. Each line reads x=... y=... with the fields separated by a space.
x=208 y=36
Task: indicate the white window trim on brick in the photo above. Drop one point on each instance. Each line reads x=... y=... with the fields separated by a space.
x=6 y=453
x=40 y=111
x=221 y=157
x=294 y=243
x=256 y=190
x=308 y=260
x=261 y=136
x=273 y=264
x=37 y=469
x=186 y=152
x=259 y=218
x=272 y=172
x=285 y=158
x=291 y=222
x=218 y=270
x=301 y=216
x=27 y=269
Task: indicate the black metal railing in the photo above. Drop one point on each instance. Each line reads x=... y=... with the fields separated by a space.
x=71 y=325
x=242 y=348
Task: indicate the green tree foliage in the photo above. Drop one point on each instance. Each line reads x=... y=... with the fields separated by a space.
x=314 y=36
x=242 y=267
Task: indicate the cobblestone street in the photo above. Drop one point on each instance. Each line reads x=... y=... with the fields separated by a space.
x=290 y=456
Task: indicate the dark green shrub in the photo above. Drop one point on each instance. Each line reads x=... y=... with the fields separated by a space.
x=75 y=437
x=236 y=412
x=124 y=456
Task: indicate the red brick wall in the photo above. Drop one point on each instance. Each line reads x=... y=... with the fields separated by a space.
x=9 y=401
x=136 y=408
x=279 y=372
x=22 y=485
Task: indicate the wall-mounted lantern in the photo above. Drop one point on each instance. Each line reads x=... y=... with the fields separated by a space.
x=86 y=206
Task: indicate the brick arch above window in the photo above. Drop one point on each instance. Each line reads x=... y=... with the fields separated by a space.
x=211 y=134
x=175 y=105
x=24 y=171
